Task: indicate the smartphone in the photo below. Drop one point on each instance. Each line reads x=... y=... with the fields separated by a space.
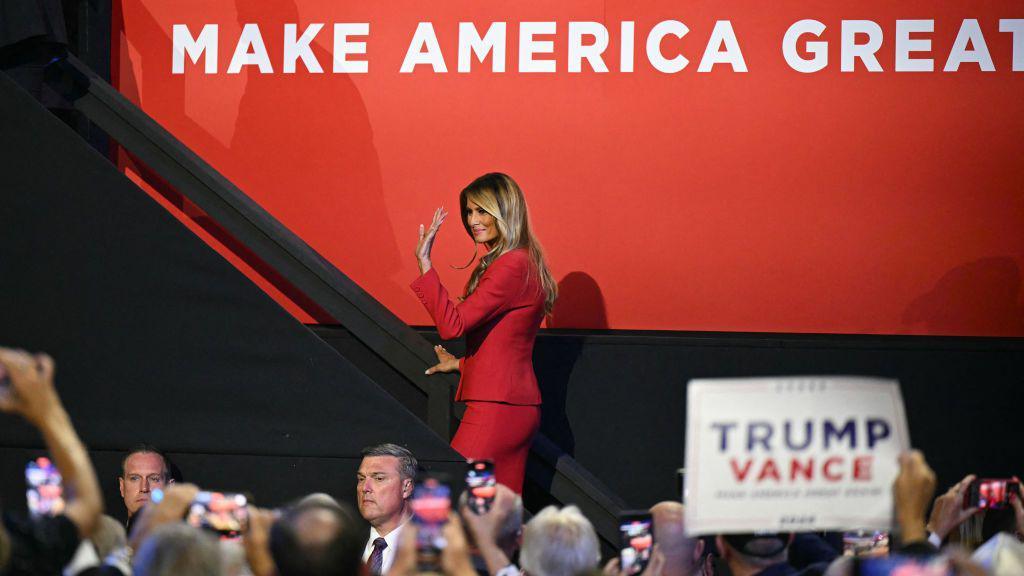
x=45 y=491
x=431 y=503
x=990 y=493
x=903 y=566
x=865 y=543
x=481 y=486
x=636 y=539
x=224 y=513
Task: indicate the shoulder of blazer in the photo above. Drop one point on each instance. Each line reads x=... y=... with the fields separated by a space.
x=513 y=261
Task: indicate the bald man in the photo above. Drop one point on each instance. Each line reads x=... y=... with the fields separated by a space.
x=682 y=554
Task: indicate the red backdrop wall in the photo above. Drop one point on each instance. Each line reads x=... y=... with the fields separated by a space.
x=766 y=200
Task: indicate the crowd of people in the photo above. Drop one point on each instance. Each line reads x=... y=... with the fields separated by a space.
x=318 y=535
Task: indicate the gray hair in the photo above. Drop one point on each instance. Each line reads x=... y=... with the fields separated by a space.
x=559 y=543
x=176 y=549
x=407 y=464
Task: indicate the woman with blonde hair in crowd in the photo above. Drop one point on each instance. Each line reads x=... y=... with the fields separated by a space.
x=507 y=296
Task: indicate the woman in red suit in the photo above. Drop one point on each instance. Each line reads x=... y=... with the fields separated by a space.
x=508 y=294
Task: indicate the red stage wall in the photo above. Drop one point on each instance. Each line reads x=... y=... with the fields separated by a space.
x=737 y=194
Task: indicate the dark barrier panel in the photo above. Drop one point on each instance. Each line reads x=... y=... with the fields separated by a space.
x=616 y=401
x=158 y=339
x=624 y=396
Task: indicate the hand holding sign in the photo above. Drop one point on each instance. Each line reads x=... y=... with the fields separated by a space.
x=912 y=493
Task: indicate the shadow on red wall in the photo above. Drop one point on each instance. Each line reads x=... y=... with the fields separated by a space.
x=338 y=169
x=580 y=303
x=981 y=296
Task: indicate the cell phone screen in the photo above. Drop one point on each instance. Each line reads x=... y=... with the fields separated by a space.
x=636 y=537
x=221 y=512
x=865 y=543
x=481 y=486
x=45 y=493
x=431 y=503
x=992 y=493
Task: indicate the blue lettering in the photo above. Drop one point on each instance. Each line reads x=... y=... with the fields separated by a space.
x=724 y=429
x=759 y=433
x=849 y=428
x=878 y=429
x=808 y=435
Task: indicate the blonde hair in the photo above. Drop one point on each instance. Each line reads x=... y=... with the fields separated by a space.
x=500 y=196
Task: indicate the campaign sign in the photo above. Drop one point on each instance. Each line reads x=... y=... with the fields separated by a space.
x=792 y=454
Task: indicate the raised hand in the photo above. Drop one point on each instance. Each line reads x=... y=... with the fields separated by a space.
x=426 y=242
x=171 y=508
x=257 y=542
x=912 y=492
x=31 y=391
x=484 y=527
x=948 y=511
x=446 y=362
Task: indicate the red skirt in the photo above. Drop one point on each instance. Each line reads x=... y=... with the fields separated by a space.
x=499 y=432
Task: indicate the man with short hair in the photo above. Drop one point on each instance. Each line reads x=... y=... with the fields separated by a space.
x=384 y=484
x=559 y=543
x=143 y=469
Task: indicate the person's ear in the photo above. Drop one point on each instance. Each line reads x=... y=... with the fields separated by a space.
x=406 y=488
x=120 y=485
x=170 y=481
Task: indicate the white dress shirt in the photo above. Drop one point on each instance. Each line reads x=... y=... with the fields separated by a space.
x=392 y=539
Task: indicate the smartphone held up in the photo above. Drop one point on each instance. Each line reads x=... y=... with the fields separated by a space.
x=45 y=492
x=431 y=504
x=223 y=513
x=636 y=541
x=481 y=486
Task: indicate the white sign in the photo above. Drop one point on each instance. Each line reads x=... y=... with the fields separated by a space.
x=792 y=454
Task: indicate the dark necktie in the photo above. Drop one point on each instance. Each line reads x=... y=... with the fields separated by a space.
x=377 y=556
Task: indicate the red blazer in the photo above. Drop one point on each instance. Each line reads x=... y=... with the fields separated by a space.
x=500 y=320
